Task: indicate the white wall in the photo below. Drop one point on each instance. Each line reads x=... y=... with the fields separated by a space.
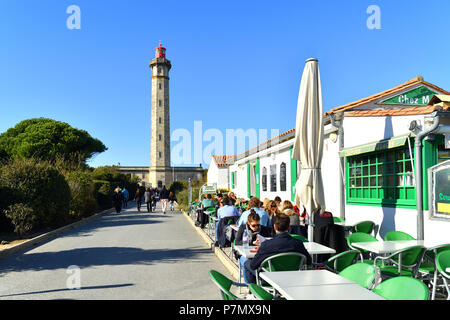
x=218 y=175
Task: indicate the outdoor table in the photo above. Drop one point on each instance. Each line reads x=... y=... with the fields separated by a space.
x=209 y=227
x=447 y=270
x=316 y=285
x=386 y=247
x=313 y=248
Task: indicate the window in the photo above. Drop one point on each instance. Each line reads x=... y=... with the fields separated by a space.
x=273 y=177
x=160 y=86
x=160 y=103
x=160 y=137
x=264 y=179
x=160 y=120
x=160 y=154
x=383 y=177
x=283 y=177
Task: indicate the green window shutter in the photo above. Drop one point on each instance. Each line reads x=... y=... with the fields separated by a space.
x=248 y=181
x=232 y=180
x=257 y=179
x=293 y=176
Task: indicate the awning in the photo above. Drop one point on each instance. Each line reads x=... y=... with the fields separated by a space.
x=384 y=144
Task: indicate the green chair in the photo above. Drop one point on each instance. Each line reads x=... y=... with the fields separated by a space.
x=397 y=235
x=361 y=237
x=428 y=266
x=211 y=212
x=287 y=261
x=259 y=292
x=342 y=260
x=402 y=288
x=225 y=285
x=298 y=237
x=364 y=227
x=405 y=262
x=443 y=263
x=361 y=273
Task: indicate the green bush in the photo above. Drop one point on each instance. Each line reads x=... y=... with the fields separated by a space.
x=40 y=186
x=103 y=192
x=82 y=203
x=22 y=217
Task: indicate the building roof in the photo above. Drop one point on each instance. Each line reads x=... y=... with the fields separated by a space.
x=384 y=94
x=351 y=110
x=222 y=159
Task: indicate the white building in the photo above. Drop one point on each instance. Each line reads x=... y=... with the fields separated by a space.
x=367 y=169
x=218 y=171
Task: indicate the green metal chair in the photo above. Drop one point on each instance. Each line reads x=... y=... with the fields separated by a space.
x=364 y=227
x=211 y=212
x=428 y=266
x=342 y=260
x=405 y=262
x=363 y=274
x=259 y=292
x=299 y=237
x=361 y=237
x=397 y=235
x=402 y=288
x=287 y=261
x=225 y=285
x=442 y=264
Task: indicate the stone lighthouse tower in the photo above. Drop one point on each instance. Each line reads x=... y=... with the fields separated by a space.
x=160 y=170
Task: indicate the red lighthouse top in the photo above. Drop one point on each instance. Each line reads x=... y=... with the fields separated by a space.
x=160 y=52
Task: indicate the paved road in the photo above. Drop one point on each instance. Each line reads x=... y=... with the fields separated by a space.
x=126 y=256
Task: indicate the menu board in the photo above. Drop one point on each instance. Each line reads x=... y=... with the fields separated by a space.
x=439 y=189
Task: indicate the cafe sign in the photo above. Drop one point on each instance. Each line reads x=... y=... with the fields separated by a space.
x=439 y=190
x=420 y=96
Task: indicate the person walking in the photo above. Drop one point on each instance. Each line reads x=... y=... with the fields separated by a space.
x=117 y=200
x=164 y=196
x=154 y=198
x=125 y=197
x=148 y=199
x=172 y=201
x=138 y=198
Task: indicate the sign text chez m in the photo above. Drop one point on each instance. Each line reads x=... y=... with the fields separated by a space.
x=420 y=96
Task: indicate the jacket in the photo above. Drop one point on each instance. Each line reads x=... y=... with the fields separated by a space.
x=164 y=194
x=282 y=242
x=221 y=239
x=264 y=231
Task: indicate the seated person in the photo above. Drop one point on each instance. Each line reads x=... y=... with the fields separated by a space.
x=225 y=210
x=282 y=242
x=255 y=204
x=202 y=218
x=288 y=209
x=253 y=228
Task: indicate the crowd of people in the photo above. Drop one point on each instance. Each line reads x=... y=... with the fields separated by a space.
x=151 y=196
x=274 y=219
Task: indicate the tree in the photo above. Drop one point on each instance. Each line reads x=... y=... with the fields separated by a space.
x=47 y=139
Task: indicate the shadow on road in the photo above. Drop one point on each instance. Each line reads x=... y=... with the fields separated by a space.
x=66 y=289
x=101 y=256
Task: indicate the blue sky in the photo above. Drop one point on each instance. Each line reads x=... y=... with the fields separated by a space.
x=235 y=64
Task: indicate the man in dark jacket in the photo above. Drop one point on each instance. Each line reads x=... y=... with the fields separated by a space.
x=164 y=196
x=281 y=243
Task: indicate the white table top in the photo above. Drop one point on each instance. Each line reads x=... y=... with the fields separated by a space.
x=316 y=285
x=281 y=279
x=447 y=270
x=311 y=247
x=330 y=292
x=383 y=247
x=317 y=248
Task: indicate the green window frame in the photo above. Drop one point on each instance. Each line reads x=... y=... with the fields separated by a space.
x=381 y=178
